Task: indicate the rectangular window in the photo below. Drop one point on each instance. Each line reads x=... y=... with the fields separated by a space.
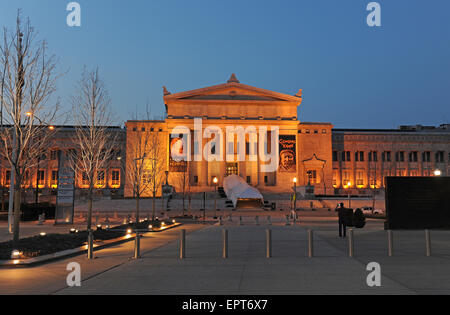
x=426 y=156
x=359 y=178
x=439 y=156
x=249 y=180
x=54 y=154
x=335 y=156
x=412 y=156
x=386 y=156
x=195 y=179
x=7 y=178
x=101 y=178
x=41 y=177
x=266 y=179
x=115 y=178
x=400 y=156
x=54 y=181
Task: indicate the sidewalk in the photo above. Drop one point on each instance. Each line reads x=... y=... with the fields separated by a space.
x=246 y=271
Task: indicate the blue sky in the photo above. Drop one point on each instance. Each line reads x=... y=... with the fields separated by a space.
x=352 y=75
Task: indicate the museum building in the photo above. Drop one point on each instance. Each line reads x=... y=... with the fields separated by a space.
x=229 y=129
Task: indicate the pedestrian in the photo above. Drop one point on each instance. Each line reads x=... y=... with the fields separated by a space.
x=342 y=212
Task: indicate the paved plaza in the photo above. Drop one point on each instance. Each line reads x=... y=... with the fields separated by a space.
x=247 y=270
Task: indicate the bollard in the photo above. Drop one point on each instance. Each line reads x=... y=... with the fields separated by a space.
x=90 y=252
x=428 y=242
x=390 y=243
x=137 y=246
x=310 y=243
x=41 y=220
x=268 y=243
x=240 y=220
x=287 y=220
x=182 y=244
x=257 y=220
x=351 y=243
x=220 y=220
x=225 y=243
x=269 y=221
x=230 y=218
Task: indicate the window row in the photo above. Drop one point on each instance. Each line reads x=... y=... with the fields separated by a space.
x=386 y=156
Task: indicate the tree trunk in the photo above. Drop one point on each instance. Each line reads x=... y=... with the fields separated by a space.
x=153 y=206
x=137 y=209
x=16 y=229
x=89 y=216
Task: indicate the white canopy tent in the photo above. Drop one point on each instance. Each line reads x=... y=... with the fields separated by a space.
x=240 y=193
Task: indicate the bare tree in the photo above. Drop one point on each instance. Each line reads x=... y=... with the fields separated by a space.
x=28 y=82
x=156 y=161
x=95 y=142
x=144 y=166
x=183 y=182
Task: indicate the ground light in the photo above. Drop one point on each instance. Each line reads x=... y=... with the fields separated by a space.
x=437 y=173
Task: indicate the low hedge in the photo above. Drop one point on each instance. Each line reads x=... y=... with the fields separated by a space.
x=52 y=243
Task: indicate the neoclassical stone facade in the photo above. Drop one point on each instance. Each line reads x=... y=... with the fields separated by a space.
x=334 y=161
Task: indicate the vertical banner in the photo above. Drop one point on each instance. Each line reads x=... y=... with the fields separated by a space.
x=177 y=154
x=287 y=149
x=66 y=191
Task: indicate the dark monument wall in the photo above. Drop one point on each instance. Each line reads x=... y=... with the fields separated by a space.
x=418 y=202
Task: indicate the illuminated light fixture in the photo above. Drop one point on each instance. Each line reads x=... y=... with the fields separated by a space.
x=42 y=234
x=119 y=158
x=16 y=261
x=72 y=231
x=129 y=231
x=437 y=172
x=294 y=179
x=163 y=223
x=15 y=254
x=28 y=114
x=51 y=127
x=150 y=227
x=173 y=221
x=215 y=180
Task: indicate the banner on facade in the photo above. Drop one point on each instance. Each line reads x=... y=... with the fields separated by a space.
x=287 y=149
x=177 y=155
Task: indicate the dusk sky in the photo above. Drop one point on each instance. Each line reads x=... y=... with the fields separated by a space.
x=352 y=75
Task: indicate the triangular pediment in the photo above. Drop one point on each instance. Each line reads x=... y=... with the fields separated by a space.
x=232 y=91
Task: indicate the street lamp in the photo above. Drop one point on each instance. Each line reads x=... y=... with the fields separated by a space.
x=437 y=172
x=215 y=181
x=349 y=199
x=294 y=180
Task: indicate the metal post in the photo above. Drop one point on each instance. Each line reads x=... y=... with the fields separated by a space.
x=90 y=253
x=182 y=244
x=137 y=246
x=428 y=242
x=351 y=243
x=225 y=243
x=390 y=243
x=310 y=243
x=268 y=243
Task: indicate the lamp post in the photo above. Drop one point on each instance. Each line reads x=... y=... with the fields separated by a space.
x=295 y=193
x=348 y=193
x=215 y=181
